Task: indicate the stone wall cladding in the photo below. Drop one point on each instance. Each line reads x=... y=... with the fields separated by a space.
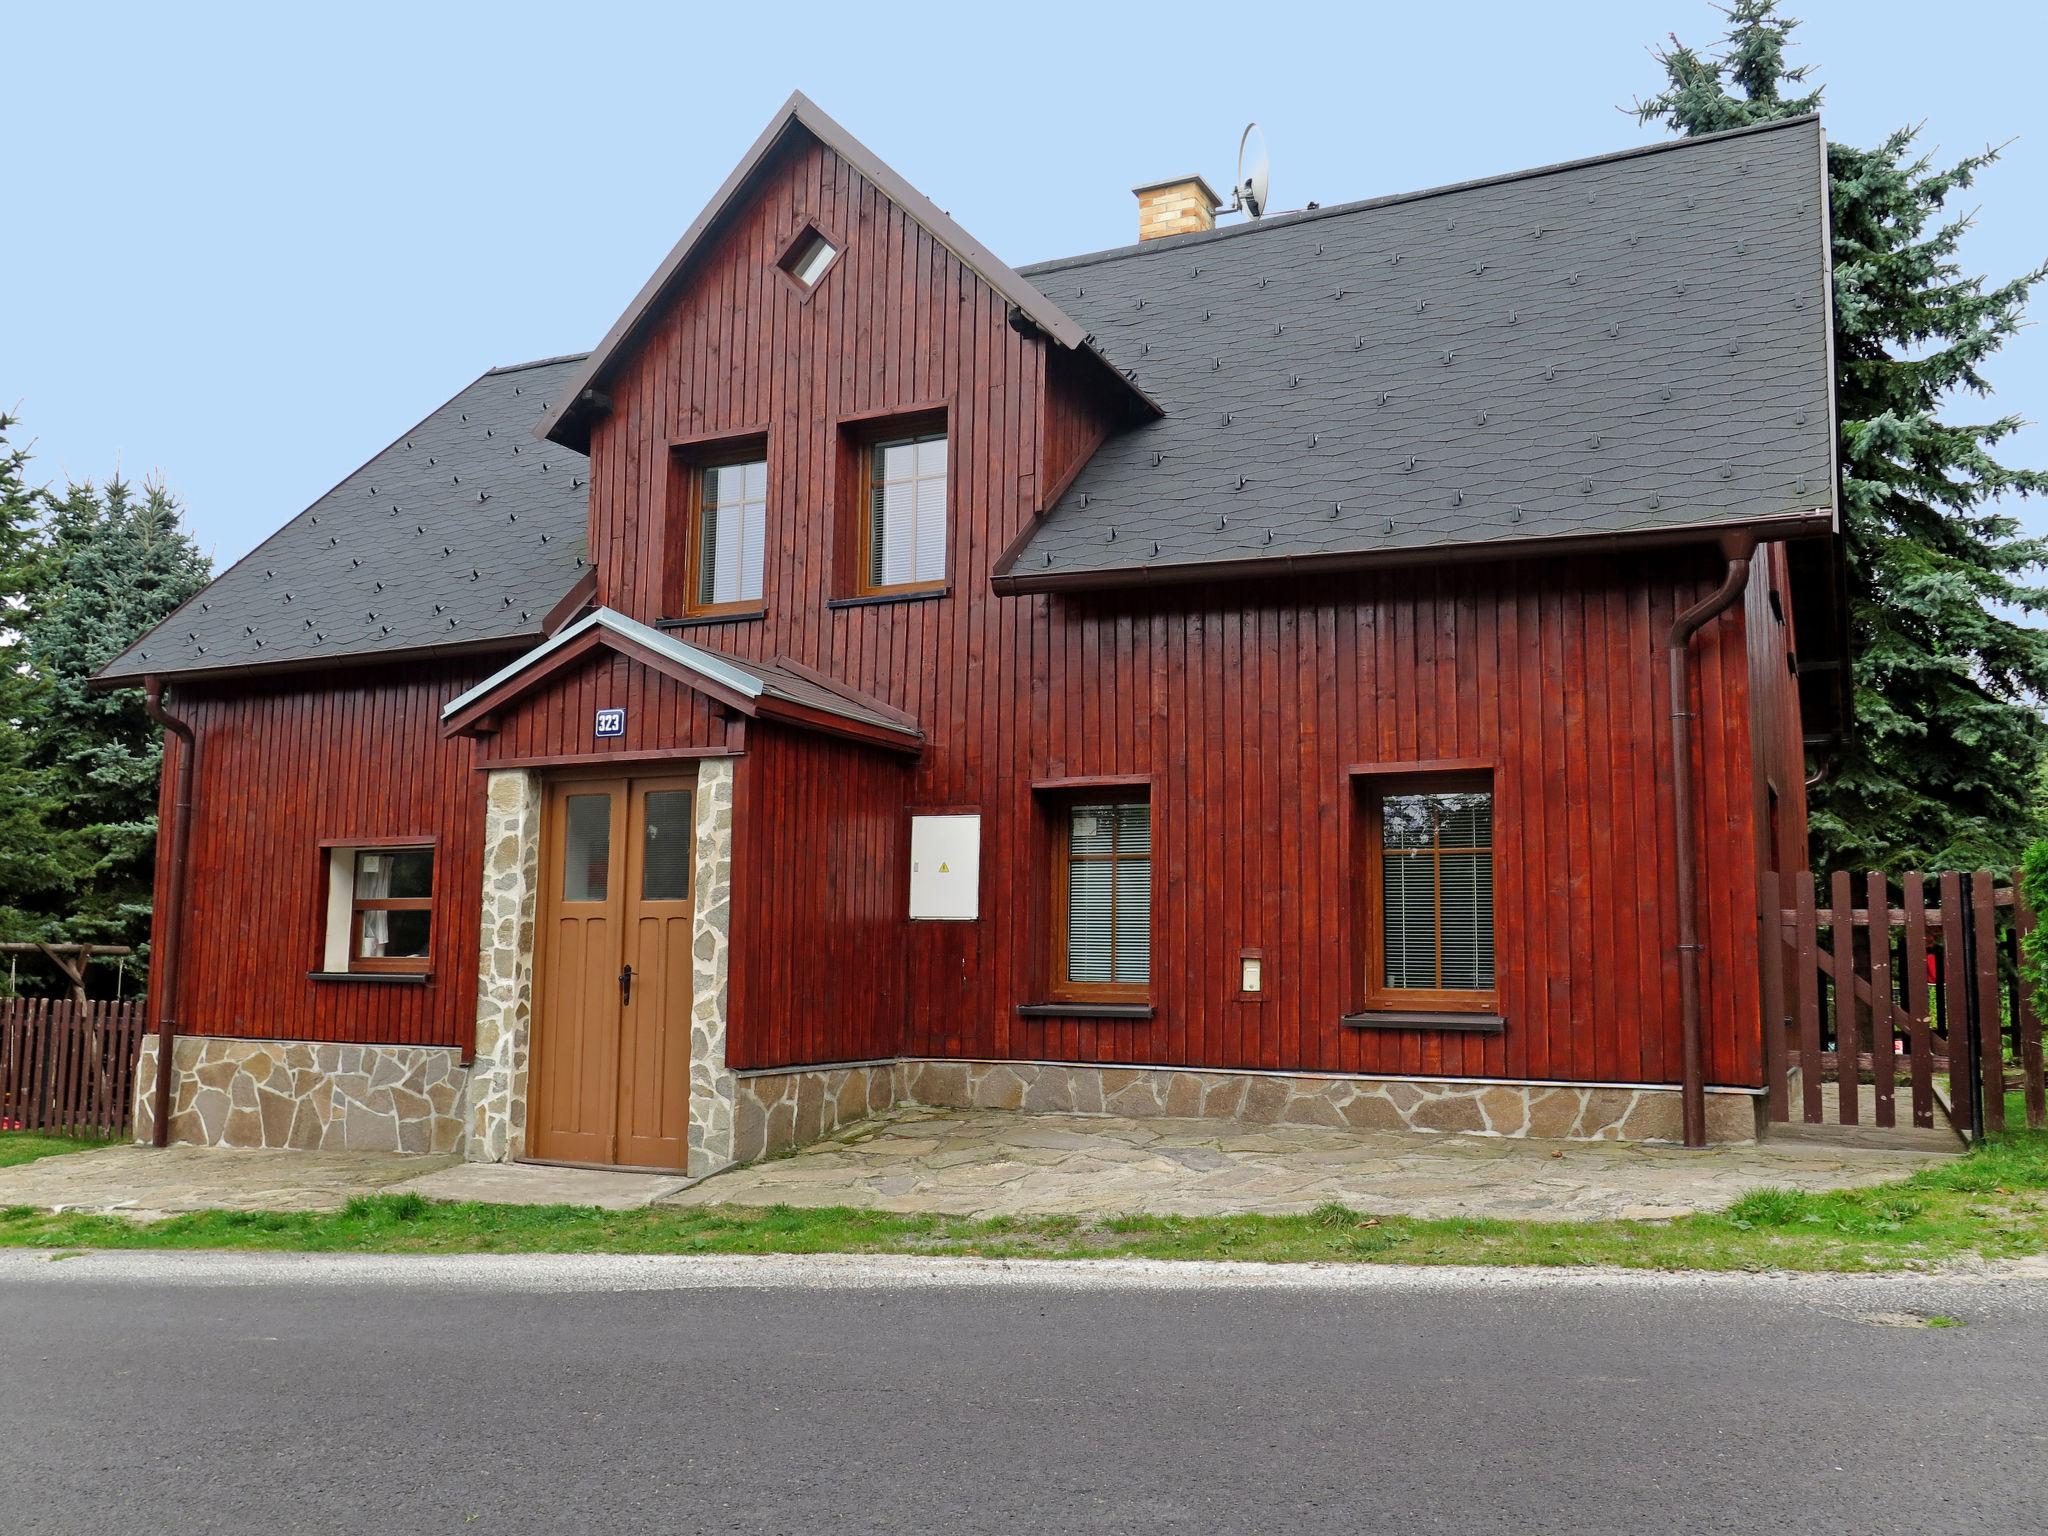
x=713 y=1086
x=312 y=1095
x=1562 y=1111
x=504 y=994
x=777 y=1111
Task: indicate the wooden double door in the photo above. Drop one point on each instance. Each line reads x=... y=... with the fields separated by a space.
x=609 y=1081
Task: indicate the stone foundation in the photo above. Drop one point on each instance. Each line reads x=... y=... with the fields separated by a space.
x=786 y=1109
x=1552 y=1111
x=776 y=1111
x=306 y=1094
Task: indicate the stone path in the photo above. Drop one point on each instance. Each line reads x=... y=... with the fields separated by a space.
x=994 y=1162
x=543 y=1184
x=148 y=1183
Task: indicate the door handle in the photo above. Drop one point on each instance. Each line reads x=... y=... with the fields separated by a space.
x=625 y=985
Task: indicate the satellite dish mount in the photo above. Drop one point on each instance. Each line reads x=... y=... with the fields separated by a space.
x=1254 y=175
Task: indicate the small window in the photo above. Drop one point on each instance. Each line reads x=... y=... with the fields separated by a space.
x=1102 y=901
x=730 y=513
x=380 y=909
x=1430 y=887
x=807 y=258
x=903 y=502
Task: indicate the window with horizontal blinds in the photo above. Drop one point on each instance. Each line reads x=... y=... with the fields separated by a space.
x=1435 y=891
x=1107 y=941
x=732 y=521
x=906 y=512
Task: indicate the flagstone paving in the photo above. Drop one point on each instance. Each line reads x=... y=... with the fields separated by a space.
x=1003 y=1163
x=149 y=1183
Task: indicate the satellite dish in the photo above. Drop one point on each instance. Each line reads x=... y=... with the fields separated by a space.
x=1253 y=174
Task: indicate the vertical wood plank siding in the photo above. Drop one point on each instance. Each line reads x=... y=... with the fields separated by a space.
x=556 y=720
x=1245 y=706
x=283 y=765
x=820 y=859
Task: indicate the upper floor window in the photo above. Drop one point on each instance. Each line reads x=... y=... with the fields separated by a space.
x=903 y=509
x=729 y=517
x=1430 y=892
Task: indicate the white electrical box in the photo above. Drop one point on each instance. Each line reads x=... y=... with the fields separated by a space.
x=945 y=868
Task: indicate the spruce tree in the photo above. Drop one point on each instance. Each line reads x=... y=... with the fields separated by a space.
x=121 y=563
x=1940 y=768
x=34 y=880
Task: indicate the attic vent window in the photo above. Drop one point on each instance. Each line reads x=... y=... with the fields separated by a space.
x=807 y=258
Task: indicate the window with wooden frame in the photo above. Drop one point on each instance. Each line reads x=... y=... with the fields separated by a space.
x=728 y=531
x=1102 y=898
x=380 y=909
x=903 y=470
x=808 y=257
x=1428 y=894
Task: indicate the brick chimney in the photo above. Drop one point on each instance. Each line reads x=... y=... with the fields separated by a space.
x=1180 y=206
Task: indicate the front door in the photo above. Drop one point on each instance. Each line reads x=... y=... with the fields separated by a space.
x=610 y=1076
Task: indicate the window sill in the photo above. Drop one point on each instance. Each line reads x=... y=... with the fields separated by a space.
x=873 y=599
x=1084 y=1010
x=375 y=978
x=700 y=620
x=1469 y=1023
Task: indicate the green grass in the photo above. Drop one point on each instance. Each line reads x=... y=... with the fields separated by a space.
x=1992 y=1204
x=27 y=1146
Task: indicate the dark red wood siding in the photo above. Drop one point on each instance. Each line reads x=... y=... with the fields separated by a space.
x=556 y=721
x=282 y=766
x=1246 y=707
x=819 y=888
x=1779 y=752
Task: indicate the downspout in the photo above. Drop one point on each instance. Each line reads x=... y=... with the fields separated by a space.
x=1737 y=548
x=171 y=924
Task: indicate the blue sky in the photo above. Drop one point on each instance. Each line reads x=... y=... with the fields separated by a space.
x=245 y=247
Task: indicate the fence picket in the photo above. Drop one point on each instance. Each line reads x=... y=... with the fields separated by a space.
x=1955 y=985
x=1776 y=1019
x=1992 y=1038
x=1842 y=940
x=1810 y=1109
x=2028 y=1022
x=1884 y=1068
x=1919 y=1042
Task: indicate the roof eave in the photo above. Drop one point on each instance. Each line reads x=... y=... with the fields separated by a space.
x=1013 y=582
x=182 y=676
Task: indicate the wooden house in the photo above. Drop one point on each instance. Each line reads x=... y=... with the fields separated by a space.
x=1351 y=666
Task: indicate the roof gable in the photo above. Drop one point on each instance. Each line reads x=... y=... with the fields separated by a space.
x=780 y=690
x=1630 y=348
x=570 y=424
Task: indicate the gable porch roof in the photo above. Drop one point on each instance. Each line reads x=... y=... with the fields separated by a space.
x=781 y=690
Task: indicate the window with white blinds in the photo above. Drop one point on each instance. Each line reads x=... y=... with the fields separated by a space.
x=906 y=512
x=1108 y=896
x=732 y=527
x=1436 y=891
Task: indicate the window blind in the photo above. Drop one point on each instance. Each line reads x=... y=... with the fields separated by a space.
x=732 y=519
x=1109 y=894
x=1436 y=891
x=907 y=512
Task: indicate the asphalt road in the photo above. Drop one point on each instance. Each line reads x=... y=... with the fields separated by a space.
x=142 y=1395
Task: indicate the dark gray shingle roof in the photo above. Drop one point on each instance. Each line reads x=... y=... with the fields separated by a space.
x=1624 y=346
x=463 y=532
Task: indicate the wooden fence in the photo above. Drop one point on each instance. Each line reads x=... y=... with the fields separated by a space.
x=68 y=1067
x=1877 y=987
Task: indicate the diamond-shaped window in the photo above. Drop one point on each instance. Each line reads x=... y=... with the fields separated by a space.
x=807 y=258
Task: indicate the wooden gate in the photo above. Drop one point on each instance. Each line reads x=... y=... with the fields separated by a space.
x=1877 y=988
x=69 y=1067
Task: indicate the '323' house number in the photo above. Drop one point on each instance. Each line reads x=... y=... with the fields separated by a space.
x=611 y=722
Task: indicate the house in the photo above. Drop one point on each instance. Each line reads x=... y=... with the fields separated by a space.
x=1351 y=666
